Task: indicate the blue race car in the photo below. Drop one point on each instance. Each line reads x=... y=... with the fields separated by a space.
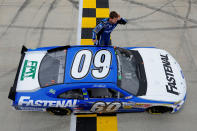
x=96 y=79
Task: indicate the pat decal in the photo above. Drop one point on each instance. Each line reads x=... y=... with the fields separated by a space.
x=29 y=69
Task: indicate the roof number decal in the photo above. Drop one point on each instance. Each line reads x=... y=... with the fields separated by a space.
x=82 y=62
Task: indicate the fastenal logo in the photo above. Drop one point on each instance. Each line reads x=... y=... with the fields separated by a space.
x=29 y=69
x=26 y=101
x=171 y=86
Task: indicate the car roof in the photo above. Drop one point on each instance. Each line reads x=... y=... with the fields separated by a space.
x=111 y=77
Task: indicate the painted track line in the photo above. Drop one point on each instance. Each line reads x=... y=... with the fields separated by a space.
x=91 y=12
x=79 y=22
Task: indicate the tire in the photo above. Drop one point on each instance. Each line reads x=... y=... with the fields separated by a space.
x=159 y=110
x=59 y=111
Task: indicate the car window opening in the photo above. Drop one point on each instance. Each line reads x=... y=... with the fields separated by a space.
x=52 y=68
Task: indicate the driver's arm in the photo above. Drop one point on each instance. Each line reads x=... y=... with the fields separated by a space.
x=122 y=21
x=96 y=30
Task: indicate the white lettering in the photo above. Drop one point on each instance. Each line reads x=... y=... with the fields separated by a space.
x=52 y=103
x=68 y=103
x=26 y=101
x=38 y=103
x=45 y=103
x=30 y=103
x=22 y=98
x=60 y=104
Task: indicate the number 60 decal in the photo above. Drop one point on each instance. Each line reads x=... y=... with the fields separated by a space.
x=103 y=107
x=82 y=62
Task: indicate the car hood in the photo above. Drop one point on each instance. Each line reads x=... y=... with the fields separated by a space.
x=165 y=80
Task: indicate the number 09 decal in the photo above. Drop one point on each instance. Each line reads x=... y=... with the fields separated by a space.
x=82 y=62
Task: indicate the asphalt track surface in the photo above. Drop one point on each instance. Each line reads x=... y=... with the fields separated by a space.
x=166 y=24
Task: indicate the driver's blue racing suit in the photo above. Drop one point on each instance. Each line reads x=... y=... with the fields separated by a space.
x=103 y=30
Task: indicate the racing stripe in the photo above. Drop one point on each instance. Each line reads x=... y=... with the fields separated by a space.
x=93 y=12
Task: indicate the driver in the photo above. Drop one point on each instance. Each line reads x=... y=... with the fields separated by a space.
x=101 y=33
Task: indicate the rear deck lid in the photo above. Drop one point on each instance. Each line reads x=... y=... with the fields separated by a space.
x=28 y=76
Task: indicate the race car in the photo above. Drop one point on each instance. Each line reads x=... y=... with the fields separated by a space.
x=98 y=79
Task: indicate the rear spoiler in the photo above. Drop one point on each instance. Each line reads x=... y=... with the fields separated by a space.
x=59 y=48
x=12 y=92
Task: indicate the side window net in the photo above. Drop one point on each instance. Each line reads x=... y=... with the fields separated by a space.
x=104 y=93
x=52 y=68
x=72 y=94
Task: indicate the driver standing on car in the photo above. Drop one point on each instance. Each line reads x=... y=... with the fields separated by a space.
x=101 y=33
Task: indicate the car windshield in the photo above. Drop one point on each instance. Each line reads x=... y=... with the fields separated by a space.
x=52 y=68
x=127 y=71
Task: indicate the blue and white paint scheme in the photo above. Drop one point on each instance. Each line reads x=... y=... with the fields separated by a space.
x=88 y=68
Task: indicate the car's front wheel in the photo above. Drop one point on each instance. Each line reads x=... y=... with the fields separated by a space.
x=59 y=111
x=159 y=109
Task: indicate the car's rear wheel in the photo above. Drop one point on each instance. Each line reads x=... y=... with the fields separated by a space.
x=159 y=109
x=59 y=111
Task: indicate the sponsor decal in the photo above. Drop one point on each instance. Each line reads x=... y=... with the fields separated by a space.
x=52 y=91
x=104 y=107
x=128 y=105
x=128 y=97
x=29 y=69
x=171 y=86
x=30 y=108
x=142 y=105
x=99 y=85
x=26 y=101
